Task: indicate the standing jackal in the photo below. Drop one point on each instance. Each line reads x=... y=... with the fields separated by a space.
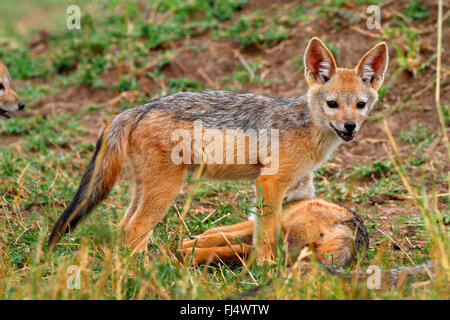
x=308 y=129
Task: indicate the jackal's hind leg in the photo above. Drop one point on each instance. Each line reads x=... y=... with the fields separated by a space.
x=231 y=228
x=234 y=253
x=243 y=235
x=135 y=200
x=160 y=185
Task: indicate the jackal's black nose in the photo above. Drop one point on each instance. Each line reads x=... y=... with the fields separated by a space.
x=21 y=106
x=350 y=126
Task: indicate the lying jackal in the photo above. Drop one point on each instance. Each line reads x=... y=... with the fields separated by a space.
x=308 y=129
x=333 y=233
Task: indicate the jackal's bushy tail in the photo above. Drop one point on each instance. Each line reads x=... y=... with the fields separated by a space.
x=99 y=177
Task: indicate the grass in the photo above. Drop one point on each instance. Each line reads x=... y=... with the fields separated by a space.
x=256 y=29
x=402 y=190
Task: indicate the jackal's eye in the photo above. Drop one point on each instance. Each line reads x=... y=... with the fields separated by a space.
x=332 y=104
x=2 y=87
x=360 y=104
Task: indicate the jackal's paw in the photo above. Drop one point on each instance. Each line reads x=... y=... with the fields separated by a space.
x=188 y=254
x=209 y=240
x=265 y=254
x=189 y=243
x=137 y=245
x=140 y=248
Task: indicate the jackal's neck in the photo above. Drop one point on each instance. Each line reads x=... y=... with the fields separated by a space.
x=325 y=142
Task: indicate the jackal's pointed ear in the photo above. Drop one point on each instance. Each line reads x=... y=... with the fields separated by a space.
x=320 y=65
x=373 y=65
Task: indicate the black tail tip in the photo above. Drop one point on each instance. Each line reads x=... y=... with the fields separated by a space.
x=56 y=234
x=52 y=240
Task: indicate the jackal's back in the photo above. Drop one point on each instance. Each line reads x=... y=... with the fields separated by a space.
x=225 y=109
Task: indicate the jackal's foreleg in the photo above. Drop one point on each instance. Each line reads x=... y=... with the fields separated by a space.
x=270 y=195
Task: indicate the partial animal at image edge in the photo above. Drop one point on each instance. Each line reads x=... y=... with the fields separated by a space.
x=9 y=101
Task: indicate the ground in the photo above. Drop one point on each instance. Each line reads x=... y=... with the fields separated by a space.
x=74 y=81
